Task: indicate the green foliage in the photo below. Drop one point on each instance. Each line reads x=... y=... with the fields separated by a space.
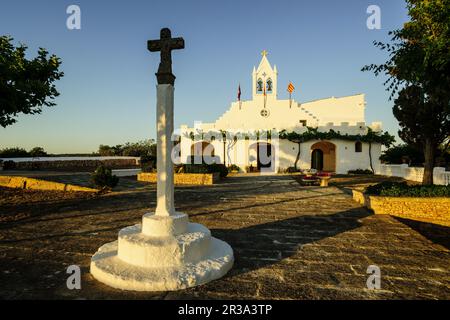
x=22 y=153
x=234 y=167
x=37 y=152
x=146 y=148
x=13 y=153
x=314 y=134
x=401 y=189
x=105 y=151
x=103 y=178
x=403 y=154
x=25 y=85
x=206 y=168
x=360 y=171
x=418 y=71
x=218 y=167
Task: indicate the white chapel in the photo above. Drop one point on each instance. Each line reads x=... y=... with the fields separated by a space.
x=267 y=116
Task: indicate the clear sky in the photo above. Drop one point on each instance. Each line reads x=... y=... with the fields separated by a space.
x=108 y=91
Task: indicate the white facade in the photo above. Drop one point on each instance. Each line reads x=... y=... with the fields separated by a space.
x=266 y=113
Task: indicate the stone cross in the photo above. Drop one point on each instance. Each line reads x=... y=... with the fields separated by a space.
x=166 y=44
x=166 y=252
x=164 y=121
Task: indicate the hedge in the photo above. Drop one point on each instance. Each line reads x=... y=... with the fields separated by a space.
x=402 y=189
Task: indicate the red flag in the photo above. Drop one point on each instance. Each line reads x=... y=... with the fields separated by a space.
x=239 y=93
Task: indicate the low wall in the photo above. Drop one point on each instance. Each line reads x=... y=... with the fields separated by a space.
x=440 y=176
x=37 y=184
x=184 y=178
x=88 y=164
x=432 y=210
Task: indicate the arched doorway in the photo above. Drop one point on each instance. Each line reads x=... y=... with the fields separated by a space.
x=265 y=155
x=201 y=151
x=317 y=159
x=323 y=156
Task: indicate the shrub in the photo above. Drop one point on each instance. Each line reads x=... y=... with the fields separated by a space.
x=221 y=168
x=401 y=189
x=196 y=168
x=103 y=178
x=148 y=163
x=234 y=167
x=360 y=171
x=206 y=168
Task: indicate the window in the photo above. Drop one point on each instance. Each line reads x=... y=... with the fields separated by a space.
x=269 y=85
x=358 y=146
x=303 y=122
x=259 y=85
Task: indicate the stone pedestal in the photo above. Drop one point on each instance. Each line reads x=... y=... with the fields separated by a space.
x=162 y=254
x=165 y=252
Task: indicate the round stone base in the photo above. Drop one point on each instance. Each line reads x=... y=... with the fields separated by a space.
x=108 y=268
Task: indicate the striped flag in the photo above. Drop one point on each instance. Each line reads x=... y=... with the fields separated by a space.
x=290 y=88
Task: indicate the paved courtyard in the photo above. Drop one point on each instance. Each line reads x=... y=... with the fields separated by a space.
x=290 y=242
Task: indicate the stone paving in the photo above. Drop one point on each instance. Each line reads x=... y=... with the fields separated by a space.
x=290 y=242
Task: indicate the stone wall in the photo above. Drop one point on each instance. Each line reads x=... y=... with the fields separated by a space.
x=184 y=178
x=84 y=165
x=37 y=184
x=432 y=210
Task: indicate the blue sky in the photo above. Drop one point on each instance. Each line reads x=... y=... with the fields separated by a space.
x=108 y=92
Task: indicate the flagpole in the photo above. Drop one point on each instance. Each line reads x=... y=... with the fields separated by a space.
x=290 y=100
x=239 y=96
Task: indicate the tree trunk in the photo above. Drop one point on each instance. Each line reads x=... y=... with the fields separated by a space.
x=370 y=157
x=429 y=162
x=298 y=156
x=224 y=153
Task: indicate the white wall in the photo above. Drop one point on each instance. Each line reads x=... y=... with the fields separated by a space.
x=346 y=157
x=243 y=153
x=440 y=176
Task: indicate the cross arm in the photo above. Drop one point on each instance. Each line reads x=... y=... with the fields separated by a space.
x=154 y=45
x=177 y=43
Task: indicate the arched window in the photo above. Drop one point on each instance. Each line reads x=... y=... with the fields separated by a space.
x=269 y=85
x=358 y=146
x=259 y=85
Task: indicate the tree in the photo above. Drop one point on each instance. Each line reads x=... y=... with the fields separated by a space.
x=146 y=148
x=105 y=150
x=25 y=85
x=37 y=152
x=418 y=71
x=423 y=123
x=401 y=154
x=13 y=153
